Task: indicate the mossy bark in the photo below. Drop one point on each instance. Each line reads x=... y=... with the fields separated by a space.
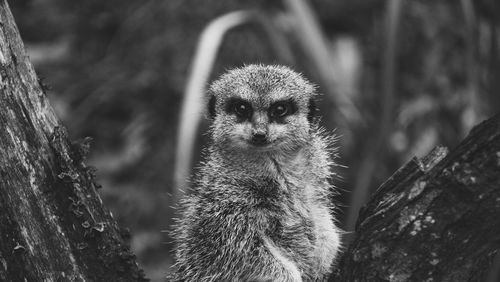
x=53 y=226
x=435 y=219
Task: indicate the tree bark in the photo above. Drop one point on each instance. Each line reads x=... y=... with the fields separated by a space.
x=435 y=219
x=53 y=226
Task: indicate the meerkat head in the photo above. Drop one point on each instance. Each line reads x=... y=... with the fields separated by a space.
x=261 y=108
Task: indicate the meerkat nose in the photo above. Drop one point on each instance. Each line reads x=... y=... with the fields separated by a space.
x=259 y=138
x=259 y=135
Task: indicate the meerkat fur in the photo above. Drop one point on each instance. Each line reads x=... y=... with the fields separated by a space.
x=260 y=207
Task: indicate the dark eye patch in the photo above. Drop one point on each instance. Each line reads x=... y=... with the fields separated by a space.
x=241 y=108
x=281 y=109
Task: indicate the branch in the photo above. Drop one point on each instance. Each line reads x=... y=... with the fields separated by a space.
x=436 y=219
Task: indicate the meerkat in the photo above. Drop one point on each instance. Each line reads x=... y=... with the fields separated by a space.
x=260 y=208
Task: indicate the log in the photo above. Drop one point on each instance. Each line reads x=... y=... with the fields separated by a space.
x=435 y=219
x=53 y=226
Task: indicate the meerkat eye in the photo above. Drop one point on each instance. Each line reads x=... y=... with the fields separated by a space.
x=241 y=108
x=281 y=109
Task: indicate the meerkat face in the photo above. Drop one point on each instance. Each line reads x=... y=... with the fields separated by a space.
x=262 y=109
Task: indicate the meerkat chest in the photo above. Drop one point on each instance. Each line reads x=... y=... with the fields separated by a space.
x=295 y=225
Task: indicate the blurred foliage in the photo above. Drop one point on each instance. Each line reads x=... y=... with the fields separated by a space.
x=118 y=70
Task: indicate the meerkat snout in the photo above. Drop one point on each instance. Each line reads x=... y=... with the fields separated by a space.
x=259 y=138
x=259 y=129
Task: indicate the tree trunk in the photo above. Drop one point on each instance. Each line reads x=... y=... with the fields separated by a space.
x=53 y=226
x=435 y=219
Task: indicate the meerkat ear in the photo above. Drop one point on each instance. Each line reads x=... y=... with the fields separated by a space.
x=211 y=107
x=311 y=116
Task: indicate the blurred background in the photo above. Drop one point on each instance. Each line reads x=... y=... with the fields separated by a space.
x=397 y=77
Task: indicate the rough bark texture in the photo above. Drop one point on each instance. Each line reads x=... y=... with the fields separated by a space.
x=436 y=219
x=52 y=223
